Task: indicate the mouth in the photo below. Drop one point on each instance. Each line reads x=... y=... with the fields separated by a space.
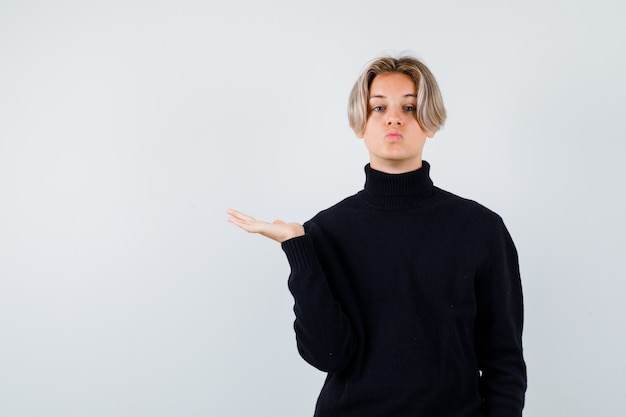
x=394 y=135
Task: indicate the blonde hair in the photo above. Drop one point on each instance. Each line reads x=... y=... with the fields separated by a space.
x=430 y=112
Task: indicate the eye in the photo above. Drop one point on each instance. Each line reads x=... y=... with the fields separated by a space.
x=409 y=108
x=378 y=108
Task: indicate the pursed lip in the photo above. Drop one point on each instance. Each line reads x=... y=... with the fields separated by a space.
x=393 y=134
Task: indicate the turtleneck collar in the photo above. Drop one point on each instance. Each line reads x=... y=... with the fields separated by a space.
x=397 y=190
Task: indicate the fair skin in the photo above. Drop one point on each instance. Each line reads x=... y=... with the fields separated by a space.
x=393 y=137
x=278 y=230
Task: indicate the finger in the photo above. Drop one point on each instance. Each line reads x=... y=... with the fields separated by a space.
x=239 y=215
x=249 y=225
x=235 y=213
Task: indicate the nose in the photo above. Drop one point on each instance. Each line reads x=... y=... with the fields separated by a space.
x=394 y=119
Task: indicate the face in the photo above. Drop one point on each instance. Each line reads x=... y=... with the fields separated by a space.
x=392 y=135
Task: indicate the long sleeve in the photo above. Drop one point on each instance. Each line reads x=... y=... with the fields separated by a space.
x=499 y=325
x=324 y=335
x=410 y=298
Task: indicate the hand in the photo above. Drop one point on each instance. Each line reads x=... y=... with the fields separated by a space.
x=278 y=230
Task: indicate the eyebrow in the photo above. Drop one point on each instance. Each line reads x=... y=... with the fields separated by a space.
x=381 y=96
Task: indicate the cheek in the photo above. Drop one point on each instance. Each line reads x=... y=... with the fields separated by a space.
x=369 y=127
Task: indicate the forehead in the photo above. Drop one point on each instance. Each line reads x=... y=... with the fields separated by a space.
x=392 y=84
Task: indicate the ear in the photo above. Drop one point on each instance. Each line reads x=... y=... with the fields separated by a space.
x=430 y=134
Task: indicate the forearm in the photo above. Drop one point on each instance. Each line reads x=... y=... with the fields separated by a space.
x=503 y=383
x=499 y=331
x=324 y=335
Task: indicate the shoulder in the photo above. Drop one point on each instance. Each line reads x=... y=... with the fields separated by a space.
x=336 y=212
x=460 y=213
x=475 y=227
x=340 y=219
x=455 y=203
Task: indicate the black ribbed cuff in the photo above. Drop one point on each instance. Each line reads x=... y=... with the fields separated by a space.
x=300 y=252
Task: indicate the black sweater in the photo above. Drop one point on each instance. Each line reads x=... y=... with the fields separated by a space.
x=410 y=298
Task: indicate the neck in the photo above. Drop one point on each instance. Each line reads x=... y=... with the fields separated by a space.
x=396 y=167
x=389 y=190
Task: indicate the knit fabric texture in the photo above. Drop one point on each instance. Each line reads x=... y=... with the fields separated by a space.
x=409 y=297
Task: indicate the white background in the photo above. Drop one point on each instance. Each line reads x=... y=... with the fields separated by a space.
x=127 y=128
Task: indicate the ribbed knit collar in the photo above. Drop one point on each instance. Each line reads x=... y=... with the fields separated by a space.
x=397 y=190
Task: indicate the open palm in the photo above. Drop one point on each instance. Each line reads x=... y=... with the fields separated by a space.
x=277 y=230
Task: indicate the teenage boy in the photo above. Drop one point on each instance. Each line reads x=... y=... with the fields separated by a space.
x=408 y=296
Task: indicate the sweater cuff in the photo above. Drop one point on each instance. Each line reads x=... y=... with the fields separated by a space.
x=300 y=252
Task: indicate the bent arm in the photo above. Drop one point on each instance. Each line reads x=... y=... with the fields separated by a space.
x=324 y=335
